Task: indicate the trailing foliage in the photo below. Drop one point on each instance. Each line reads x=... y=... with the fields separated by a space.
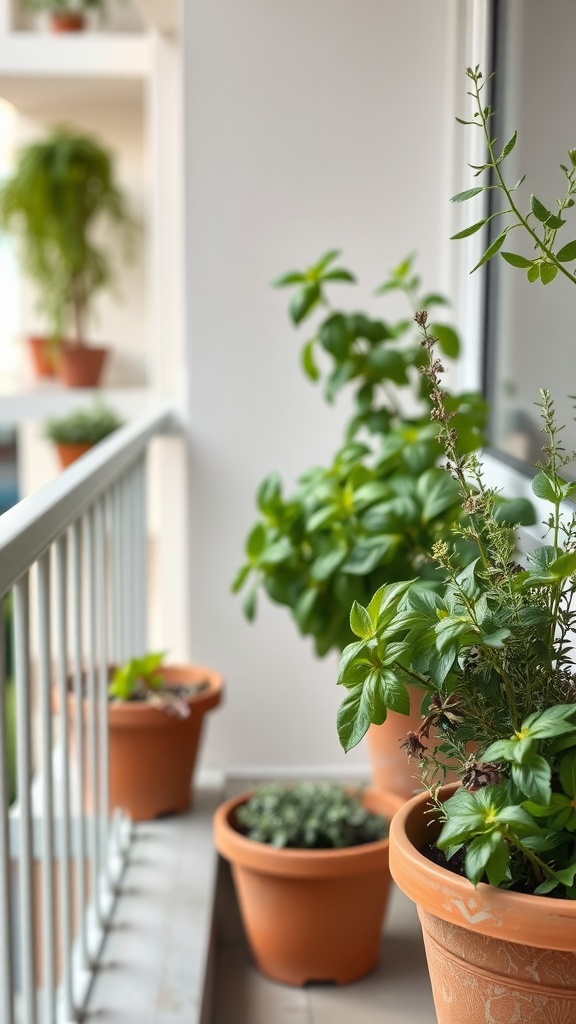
x=63 y=188
x=540 y=224
x=83 y=426
x=309 y=816
x=371 y=516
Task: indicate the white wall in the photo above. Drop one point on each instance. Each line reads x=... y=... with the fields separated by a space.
x=308 y=125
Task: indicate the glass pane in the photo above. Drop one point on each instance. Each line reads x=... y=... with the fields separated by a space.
x=531 y=328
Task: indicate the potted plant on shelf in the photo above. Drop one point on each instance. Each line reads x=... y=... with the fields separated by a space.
x=492 y=863
x=155 y=718
x=78 y=431
x=65 y=15
x=62 y=190
x=310 y=866
x=371 y=516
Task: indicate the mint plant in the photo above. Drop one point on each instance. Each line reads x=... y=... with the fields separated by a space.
x=492 y=656
x=309 y=816
x=373 y=514
x=141 y=679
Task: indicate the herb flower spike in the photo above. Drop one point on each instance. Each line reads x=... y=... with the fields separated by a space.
x=487 y=653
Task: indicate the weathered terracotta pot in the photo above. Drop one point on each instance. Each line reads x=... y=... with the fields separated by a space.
x=43 y=354
x=389 y=764
x=67 y=21
x=309 y=915
x=81 y=366
x=68 y=453
x=495 y=957
x=152 y=755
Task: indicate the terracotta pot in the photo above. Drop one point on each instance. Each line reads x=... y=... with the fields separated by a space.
x=309 y=915
x=389 y=764
x=68 y=453
x=495 y=957
x=44 y=355
x=67 y=21
x=80 y=366
x=152 y=754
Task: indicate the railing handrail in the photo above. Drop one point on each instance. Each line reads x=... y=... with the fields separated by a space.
x=27 y=529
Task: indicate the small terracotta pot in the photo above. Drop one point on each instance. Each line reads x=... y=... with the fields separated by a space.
x=152 y=755
x=495 y=957
x=81 y=366
x=68 y=453
x=309 y=915
x=389 y=764
x=44 y=355
x=67 y=21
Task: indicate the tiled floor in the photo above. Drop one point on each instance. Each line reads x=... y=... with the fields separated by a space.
x=398 y=992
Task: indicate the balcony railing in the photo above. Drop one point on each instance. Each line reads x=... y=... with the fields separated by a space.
x=73 y=572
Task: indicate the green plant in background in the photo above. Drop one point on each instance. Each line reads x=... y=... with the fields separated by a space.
x=83 y=426
x=141 y=680
x=63 y=188
x=372 y=516
x=64 y=6
x=309 y=816
x=540 y=224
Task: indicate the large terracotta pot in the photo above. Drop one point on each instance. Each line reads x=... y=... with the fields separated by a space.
x=495 y=957
x=390 y=766
x=80 y=366
x=309 y=915
x=152 y=754
x=68 y=453
x=67 y=21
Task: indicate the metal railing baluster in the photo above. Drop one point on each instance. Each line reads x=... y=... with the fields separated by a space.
x=45 y=703
x=6 y=930
x=79 y=729
x=65 y=920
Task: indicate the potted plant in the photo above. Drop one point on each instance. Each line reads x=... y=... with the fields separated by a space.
x=62 y=190
x=65 y=15
x=155 y=718
x=310 y=866
x=371 y=516
x=78 y=431
x=492 y=863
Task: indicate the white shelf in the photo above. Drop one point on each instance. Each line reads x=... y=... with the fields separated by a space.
x=43 y=400
x=99 y=55
x=161 y=15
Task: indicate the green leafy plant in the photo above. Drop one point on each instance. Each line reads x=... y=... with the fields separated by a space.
x=83 y=426
x=141 y=679
x=62 y=190
x=65 y=6
x=372 y=516
x=540 y=224
x=309 y=816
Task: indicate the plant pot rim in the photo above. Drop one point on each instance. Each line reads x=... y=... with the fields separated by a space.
x=271 y=860
x=542 y=921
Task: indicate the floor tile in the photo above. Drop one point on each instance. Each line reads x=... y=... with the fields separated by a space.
x=243 y=996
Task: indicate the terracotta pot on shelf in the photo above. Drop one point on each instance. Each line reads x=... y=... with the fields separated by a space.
x=81 y=366
x=310 y=915
x=68 y=453
x=66 y=21
x=152 y=754
x=43 y=354
x=494 y=957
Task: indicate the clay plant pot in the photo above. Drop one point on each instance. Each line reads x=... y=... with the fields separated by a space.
x=152 y=755
x=494 y=957
x=309 y=915
x=43 y=354
x=67 y=21
x=68 y=453
x=390 y=766
x=80 y=366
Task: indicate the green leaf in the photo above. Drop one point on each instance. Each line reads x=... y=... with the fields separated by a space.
x=339 y=275
x=303 y=301
x=568 y=773
x=256 y=542
x=547 y=272
x=325 y=260
x=543 y=487
x=508 y=147
x=438 y=492
x=327 y=563
x=466 y=232
x=564 y=566
x=308 y=362
x=353 y=719
x=395 y=693
x=516 y=261
x=478 y=853
x=552 y=722
x=539 y=210
x=334 y=336
x=367 y=554
x=461 y=197
x=515 y=512
x=448 y=340
x=279 y=551
x=533 y=273
x=567 y=253
x=269 y=493
x=361 y=622
x=491 y=250
x=249 y=603
x=292 y=277
x=533 y=778
x=497 y=866
x=433 y=299
x=240 y=578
